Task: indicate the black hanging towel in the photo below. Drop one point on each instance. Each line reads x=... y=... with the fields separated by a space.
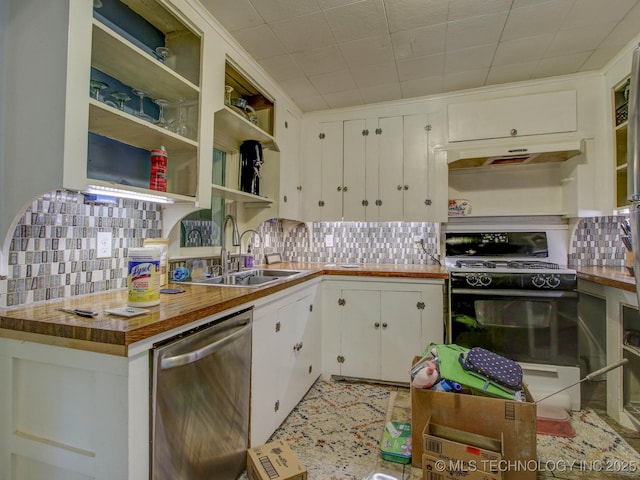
x=252 y=160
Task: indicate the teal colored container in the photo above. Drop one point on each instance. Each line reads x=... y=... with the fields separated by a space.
x=395 y=445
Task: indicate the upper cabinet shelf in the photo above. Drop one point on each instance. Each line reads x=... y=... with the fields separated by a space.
x=248 y=113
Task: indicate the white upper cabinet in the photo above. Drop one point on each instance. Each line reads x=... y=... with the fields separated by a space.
x=290 y=186
x=517 y=116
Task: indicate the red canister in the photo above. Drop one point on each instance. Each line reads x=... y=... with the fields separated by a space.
x=158 y=176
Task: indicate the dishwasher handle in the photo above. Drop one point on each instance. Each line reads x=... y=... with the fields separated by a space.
x=190 y=357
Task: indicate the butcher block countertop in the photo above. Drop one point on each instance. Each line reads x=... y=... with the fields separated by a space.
x=43 y=323
x=617 y=277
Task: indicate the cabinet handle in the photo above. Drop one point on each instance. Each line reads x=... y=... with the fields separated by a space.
x=406 y=187
x=420 y=305
x=339 y=188
x=277 y=326
x=365 y=132
x=377 y=324
x=299 y=188
x=285 y=199
x=399 y=187
x=321 y=136
x=379 y=203
x=365 y=203
x=344 y=189
x=342 y=302
x=427 y=202
x=513 y=132
x=378 y=131
x=311 y=307
x=276 y=407
x=385 y=324
x=321 y=203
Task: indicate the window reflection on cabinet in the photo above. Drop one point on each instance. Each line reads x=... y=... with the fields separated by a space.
x=144 y=94
x=620 y=103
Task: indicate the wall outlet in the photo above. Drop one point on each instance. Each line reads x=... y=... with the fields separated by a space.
x=328 y=240
x=103 y=249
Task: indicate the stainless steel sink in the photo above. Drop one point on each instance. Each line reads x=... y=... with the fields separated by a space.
x=248 y=278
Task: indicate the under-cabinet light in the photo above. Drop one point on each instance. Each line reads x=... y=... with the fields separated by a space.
x=116 y=192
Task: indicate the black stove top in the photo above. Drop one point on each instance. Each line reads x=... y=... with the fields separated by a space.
x=508 y=264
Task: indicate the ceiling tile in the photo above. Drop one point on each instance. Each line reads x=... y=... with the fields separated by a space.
x=594 y=12
x=274 y=10
x=358 y=20
x=515 y=72
x=562 y=65
x=381 y=93
x=459 y=9
x=368 y=51
x=310 y=103
x=347 y=98
x=333 y=82
x=465 y=80
x=474 y=31
x=468 y=60
x=233 y=14
x=409 y=14
x=422 y=67
x=419 y=42
x=373 y=75
x=281 y=67
x=303 y=33
x=599 y=58
x=536 y=19
x=522 y=49
x=419 y=87
x=322 y=60
x=298 y=87
x=326 y=4
x=579 y=39
x=260 y=42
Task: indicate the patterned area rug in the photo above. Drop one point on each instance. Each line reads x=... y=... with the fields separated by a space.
x=336 y=429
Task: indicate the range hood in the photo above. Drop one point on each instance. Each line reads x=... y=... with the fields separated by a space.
x=513 y=151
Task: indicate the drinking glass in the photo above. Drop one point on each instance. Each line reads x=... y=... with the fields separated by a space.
x=140 y=113
x=161 y=122
x=179 y=126
x=96 y=86
x=227 y=94
x=121 y=98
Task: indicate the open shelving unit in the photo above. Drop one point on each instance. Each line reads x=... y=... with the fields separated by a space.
x=620 y=103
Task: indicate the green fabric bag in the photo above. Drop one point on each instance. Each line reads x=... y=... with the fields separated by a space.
x=451 y=369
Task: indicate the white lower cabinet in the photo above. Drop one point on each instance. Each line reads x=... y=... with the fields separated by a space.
x=286 y=358
x=373 y=329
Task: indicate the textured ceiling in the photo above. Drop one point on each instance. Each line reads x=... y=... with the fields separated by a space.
x=339 y=53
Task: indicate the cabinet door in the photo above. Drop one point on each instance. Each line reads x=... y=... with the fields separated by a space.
x=289 y=201
x=417 y=158
x=354 y=167
x=269 y=370
x=401 y=338
x=390 y=168
x=331 y=171
x=360 y=333
x=536 y=114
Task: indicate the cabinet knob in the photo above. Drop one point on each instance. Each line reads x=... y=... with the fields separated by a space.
x=344 y=189
x=285 y=199
x=513 y=132
x=428 y=202
x=365 y=132
x=399 y=187
x=321 y=203
x=378 y=131
x=420 y=305
x=385 y=324
x=406 y=187
x=379 y=203
x=321 y=136
x=299 y=188
x=377 y=324
x=365 y=203
x=339 y=188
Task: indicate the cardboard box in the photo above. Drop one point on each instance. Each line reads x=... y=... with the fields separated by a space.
x=432 y=469
x=514 y=422
x=467 y=451
x=274 y=461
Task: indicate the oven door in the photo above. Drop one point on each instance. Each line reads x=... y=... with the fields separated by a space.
x=533 y=326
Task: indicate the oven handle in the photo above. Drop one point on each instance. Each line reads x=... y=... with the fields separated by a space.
x=565 y=294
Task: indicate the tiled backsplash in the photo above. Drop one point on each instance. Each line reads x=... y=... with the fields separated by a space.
x=596 y=242
x=53 y=249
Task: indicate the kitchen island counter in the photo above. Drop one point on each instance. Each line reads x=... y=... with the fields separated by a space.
x=44 y=323
x=617 y=277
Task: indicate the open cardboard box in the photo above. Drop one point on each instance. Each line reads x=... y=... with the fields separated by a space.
x=514 y=422
x=274 y=461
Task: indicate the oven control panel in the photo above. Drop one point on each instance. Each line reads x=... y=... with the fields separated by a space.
x=523 y=281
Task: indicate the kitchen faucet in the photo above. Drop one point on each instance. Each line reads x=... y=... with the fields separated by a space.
x=235 y=241
x=250 y=230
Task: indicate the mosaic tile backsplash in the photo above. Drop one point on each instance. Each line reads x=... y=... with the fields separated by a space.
x=53 y=249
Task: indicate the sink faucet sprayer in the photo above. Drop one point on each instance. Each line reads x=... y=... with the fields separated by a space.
x=248 y=260
x=235 y=241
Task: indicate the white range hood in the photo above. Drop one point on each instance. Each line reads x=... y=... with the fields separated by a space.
x=513 y=151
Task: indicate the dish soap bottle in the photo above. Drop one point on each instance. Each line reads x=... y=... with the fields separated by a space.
x=248 y=258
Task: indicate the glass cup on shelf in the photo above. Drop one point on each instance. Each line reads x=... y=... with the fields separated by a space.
x=227 y=94
x=121 y=98
x=164 y=53
x=161 y=121
x=140 y=113
x=96 y=87
x=179 y=125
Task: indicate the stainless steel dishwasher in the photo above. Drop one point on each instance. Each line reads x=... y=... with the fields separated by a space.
x=200 y=389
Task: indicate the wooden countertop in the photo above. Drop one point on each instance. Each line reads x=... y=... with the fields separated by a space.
x=44 y=323
x=617 y=277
